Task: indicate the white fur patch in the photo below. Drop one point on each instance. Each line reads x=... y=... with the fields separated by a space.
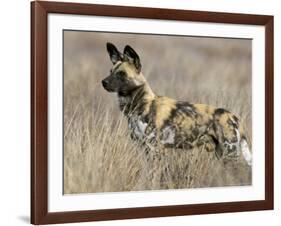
x=246 y=152
x=139 y=128
x=168 y=136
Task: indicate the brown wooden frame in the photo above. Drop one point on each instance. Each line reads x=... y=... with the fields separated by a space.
x=39 y=109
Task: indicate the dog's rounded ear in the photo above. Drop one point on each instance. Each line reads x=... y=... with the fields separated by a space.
x=113 y=52
x=133 y=57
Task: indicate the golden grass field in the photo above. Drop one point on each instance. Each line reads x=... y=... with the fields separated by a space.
x=99 y=155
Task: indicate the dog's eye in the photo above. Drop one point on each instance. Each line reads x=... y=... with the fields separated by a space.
x=121 y=74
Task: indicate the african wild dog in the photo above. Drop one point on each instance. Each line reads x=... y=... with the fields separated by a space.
x=159 y=120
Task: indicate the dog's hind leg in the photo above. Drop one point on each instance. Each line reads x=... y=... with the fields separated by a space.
x=210 y=144
x=228 y=136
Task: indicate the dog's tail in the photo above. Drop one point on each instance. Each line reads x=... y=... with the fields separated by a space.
x=246 y=150
x=244 y=145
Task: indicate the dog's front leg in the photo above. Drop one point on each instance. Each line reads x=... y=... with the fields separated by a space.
x=151 y=151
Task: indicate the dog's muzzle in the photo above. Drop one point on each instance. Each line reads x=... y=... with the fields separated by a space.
x=105 y=84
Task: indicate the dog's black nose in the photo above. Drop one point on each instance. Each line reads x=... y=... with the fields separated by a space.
x=104 y=83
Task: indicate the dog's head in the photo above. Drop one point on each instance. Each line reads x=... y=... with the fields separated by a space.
x=125 y=75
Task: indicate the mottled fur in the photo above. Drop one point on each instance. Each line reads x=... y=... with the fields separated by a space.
x=161 y=121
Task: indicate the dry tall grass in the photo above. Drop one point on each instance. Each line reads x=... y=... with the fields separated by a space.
x=99 y=156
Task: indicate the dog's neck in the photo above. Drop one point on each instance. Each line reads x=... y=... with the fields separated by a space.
x=136 y=101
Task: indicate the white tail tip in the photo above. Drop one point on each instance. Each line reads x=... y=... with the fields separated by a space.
x=246 y=152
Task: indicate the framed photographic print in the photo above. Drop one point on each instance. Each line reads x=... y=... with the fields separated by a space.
x=146 y=112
